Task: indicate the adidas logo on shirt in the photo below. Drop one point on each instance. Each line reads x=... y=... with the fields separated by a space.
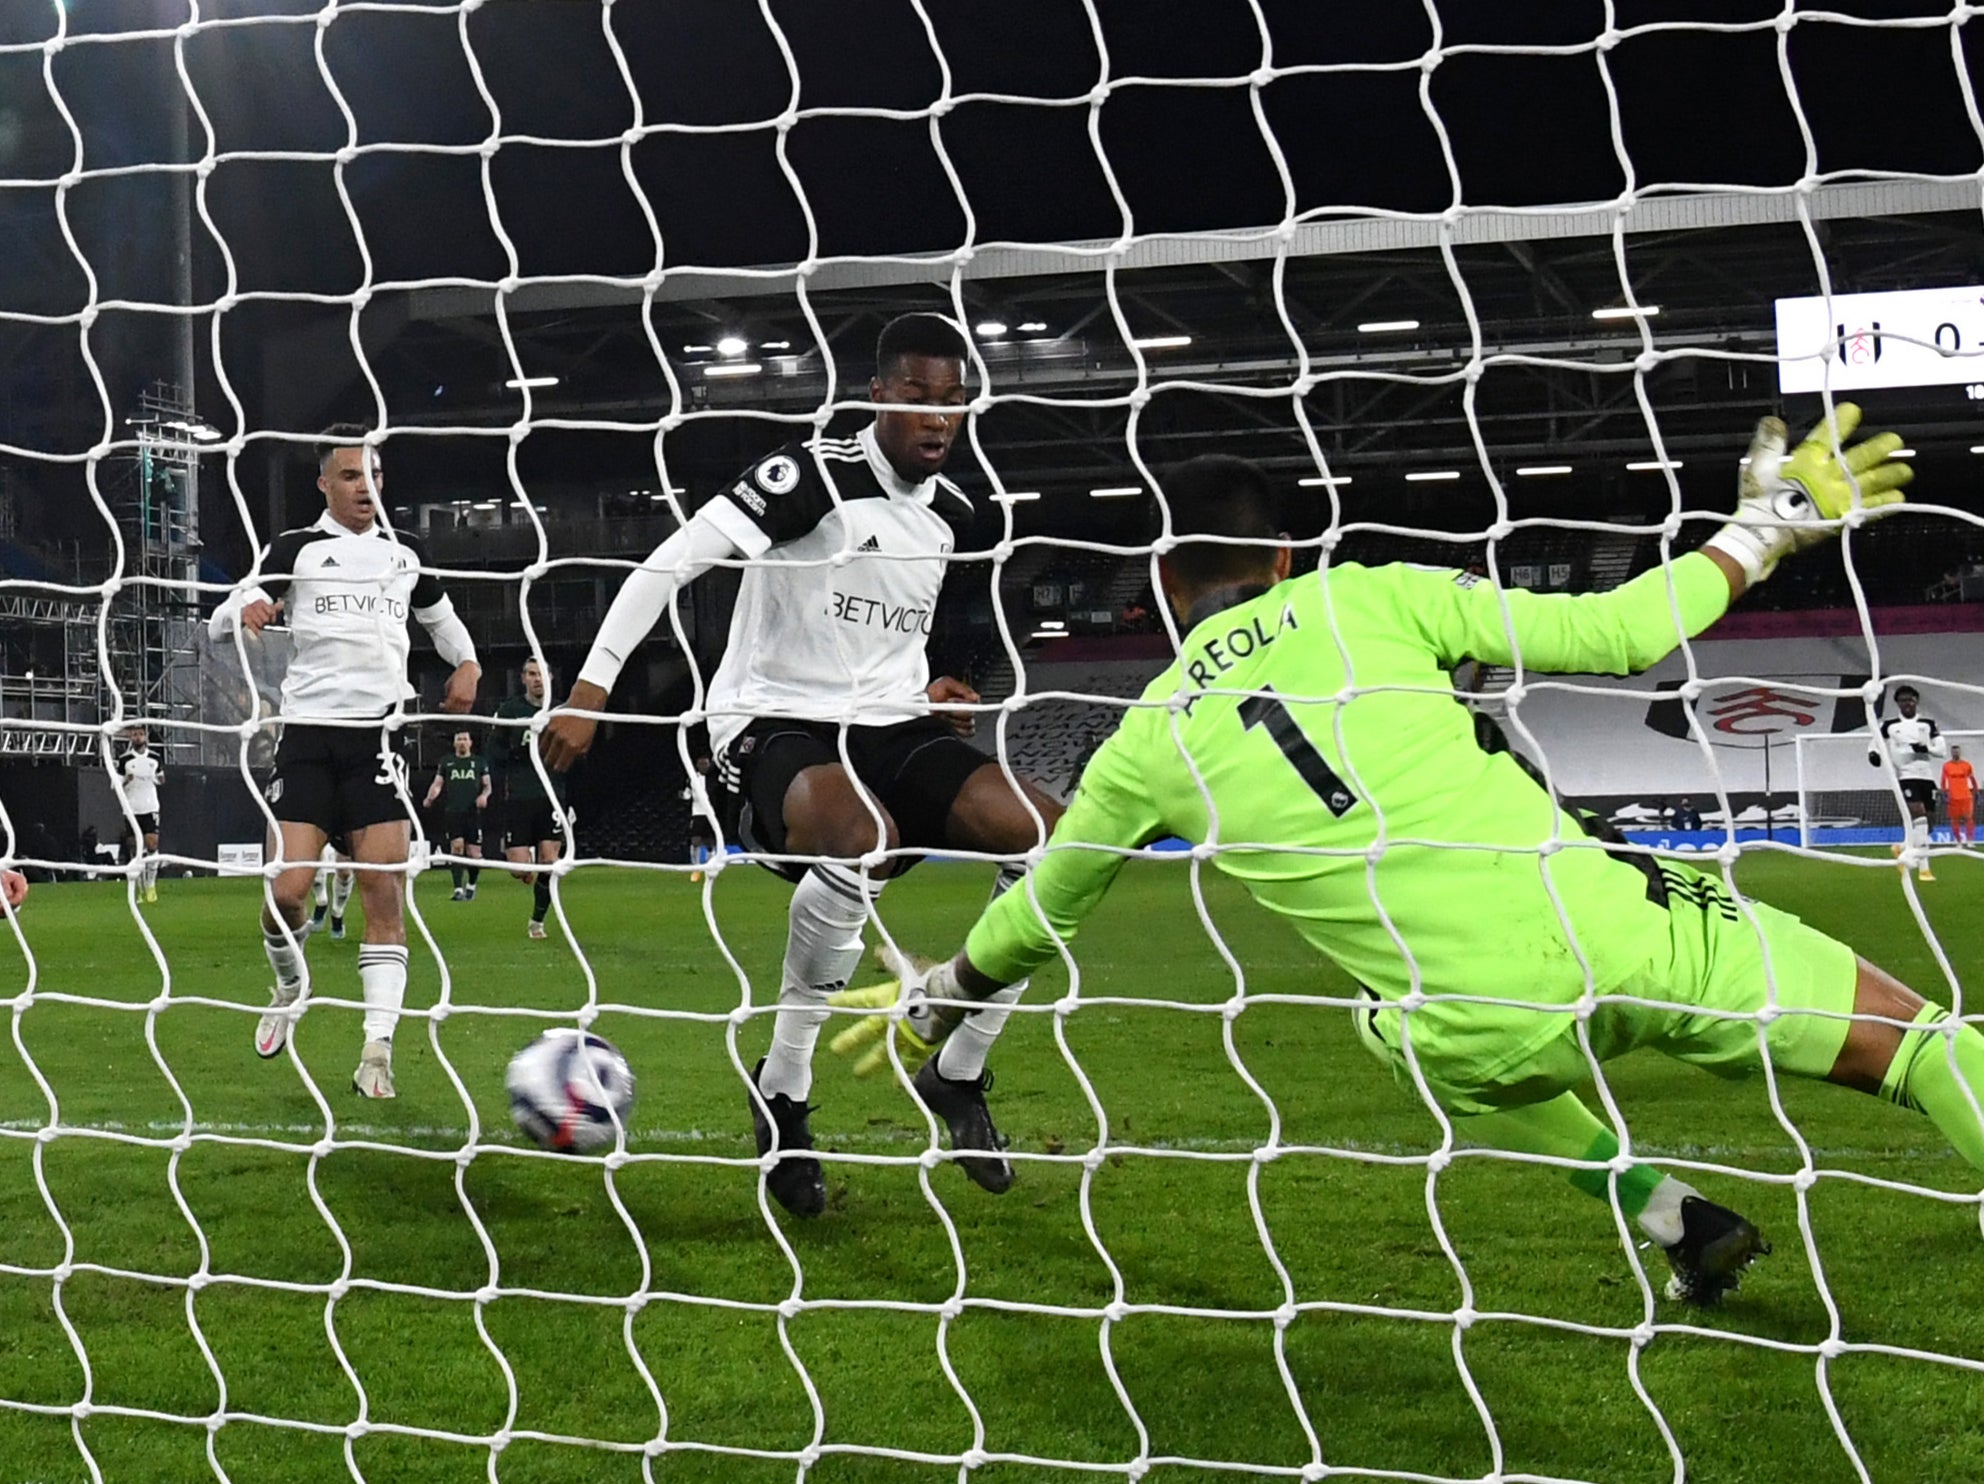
x=871 y=544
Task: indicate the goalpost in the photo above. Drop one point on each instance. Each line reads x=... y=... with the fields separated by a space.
x=1334 y=1295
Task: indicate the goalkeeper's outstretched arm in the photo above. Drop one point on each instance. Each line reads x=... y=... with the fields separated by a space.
x=642 y=600
x=1785 y=504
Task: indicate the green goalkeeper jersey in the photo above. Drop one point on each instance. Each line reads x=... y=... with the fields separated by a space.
x=1311 y=733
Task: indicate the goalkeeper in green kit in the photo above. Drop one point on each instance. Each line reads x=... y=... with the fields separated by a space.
x=1309 y=732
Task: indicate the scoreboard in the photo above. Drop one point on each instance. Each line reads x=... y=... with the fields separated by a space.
x=1898 y=338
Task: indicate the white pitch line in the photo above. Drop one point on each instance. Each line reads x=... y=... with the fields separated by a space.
x=880 y=1138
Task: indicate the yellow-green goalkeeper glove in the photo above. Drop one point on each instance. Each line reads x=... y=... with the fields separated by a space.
x=928 y=995
x=1813 y=484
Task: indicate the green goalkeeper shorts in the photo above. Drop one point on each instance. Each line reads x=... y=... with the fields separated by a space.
x=1718 y=971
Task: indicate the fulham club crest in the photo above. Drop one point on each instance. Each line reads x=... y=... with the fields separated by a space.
x=1763 y=713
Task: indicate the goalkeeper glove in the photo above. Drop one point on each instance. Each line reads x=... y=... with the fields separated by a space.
x=932 y=1002
x=1813 y=484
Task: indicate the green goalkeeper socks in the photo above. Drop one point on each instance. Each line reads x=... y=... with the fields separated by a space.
x=1565 y=1128
x=1922 y=1077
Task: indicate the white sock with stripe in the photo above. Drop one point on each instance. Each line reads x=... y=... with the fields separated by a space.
x=822 y=951
x=285 y=960
x=382 y=970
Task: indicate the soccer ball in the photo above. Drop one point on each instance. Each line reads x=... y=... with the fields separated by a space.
x=569 y=1088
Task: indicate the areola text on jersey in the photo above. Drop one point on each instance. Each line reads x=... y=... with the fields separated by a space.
x=347 y=597
x=834 y=615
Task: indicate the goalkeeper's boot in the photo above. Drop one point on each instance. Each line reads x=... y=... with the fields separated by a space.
x=374 y=1077
x=795 y=1182
x=1716 y=1246
x=536 y=929
x=272 y=1030
x=961 y=1104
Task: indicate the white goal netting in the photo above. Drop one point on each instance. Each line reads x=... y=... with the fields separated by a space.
x=1466 y=289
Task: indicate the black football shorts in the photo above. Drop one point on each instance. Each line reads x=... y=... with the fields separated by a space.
x=337 y=778
x=915 y=769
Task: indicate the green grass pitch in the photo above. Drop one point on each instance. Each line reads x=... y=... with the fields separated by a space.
x=1744 y=1390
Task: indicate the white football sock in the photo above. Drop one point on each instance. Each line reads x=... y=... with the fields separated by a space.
x=320 y=888
x=382 y=970
x=822 y=951
x=1661 y=1220
x=341 y=886
x=150 y=874
x=287 y=961
x=962 y=1056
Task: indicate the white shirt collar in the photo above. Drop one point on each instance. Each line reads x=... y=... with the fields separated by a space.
x=885 y=472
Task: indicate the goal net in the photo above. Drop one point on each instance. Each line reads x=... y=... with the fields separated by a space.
x=1468 y=289
x=1844 y=799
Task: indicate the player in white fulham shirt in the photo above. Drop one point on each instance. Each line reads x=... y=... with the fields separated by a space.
x=142 y=776
x=1915 y=748
x=347 y=586
x=849 y=541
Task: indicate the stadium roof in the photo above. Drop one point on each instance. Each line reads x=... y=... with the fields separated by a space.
x=648 y=176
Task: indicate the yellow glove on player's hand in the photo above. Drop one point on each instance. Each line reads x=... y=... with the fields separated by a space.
x=1780 y=499
x=867 y=1040
x=927 y=991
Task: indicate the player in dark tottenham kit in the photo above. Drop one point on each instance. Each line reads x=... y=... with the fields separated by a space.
x=346 y=586
x=848 y=539
x=461 y=782
x=533 y=833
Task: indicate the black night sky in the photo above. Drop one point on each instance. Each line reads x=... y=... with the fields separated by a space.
x=1362 y=126
x=1525 y=129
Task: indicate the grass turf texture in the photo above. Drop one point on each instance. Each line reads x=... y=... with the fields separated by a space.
x=1382 y=1389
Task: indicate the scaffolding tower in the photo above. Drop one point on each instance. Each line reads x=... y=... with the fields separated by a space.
x=78 y=663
